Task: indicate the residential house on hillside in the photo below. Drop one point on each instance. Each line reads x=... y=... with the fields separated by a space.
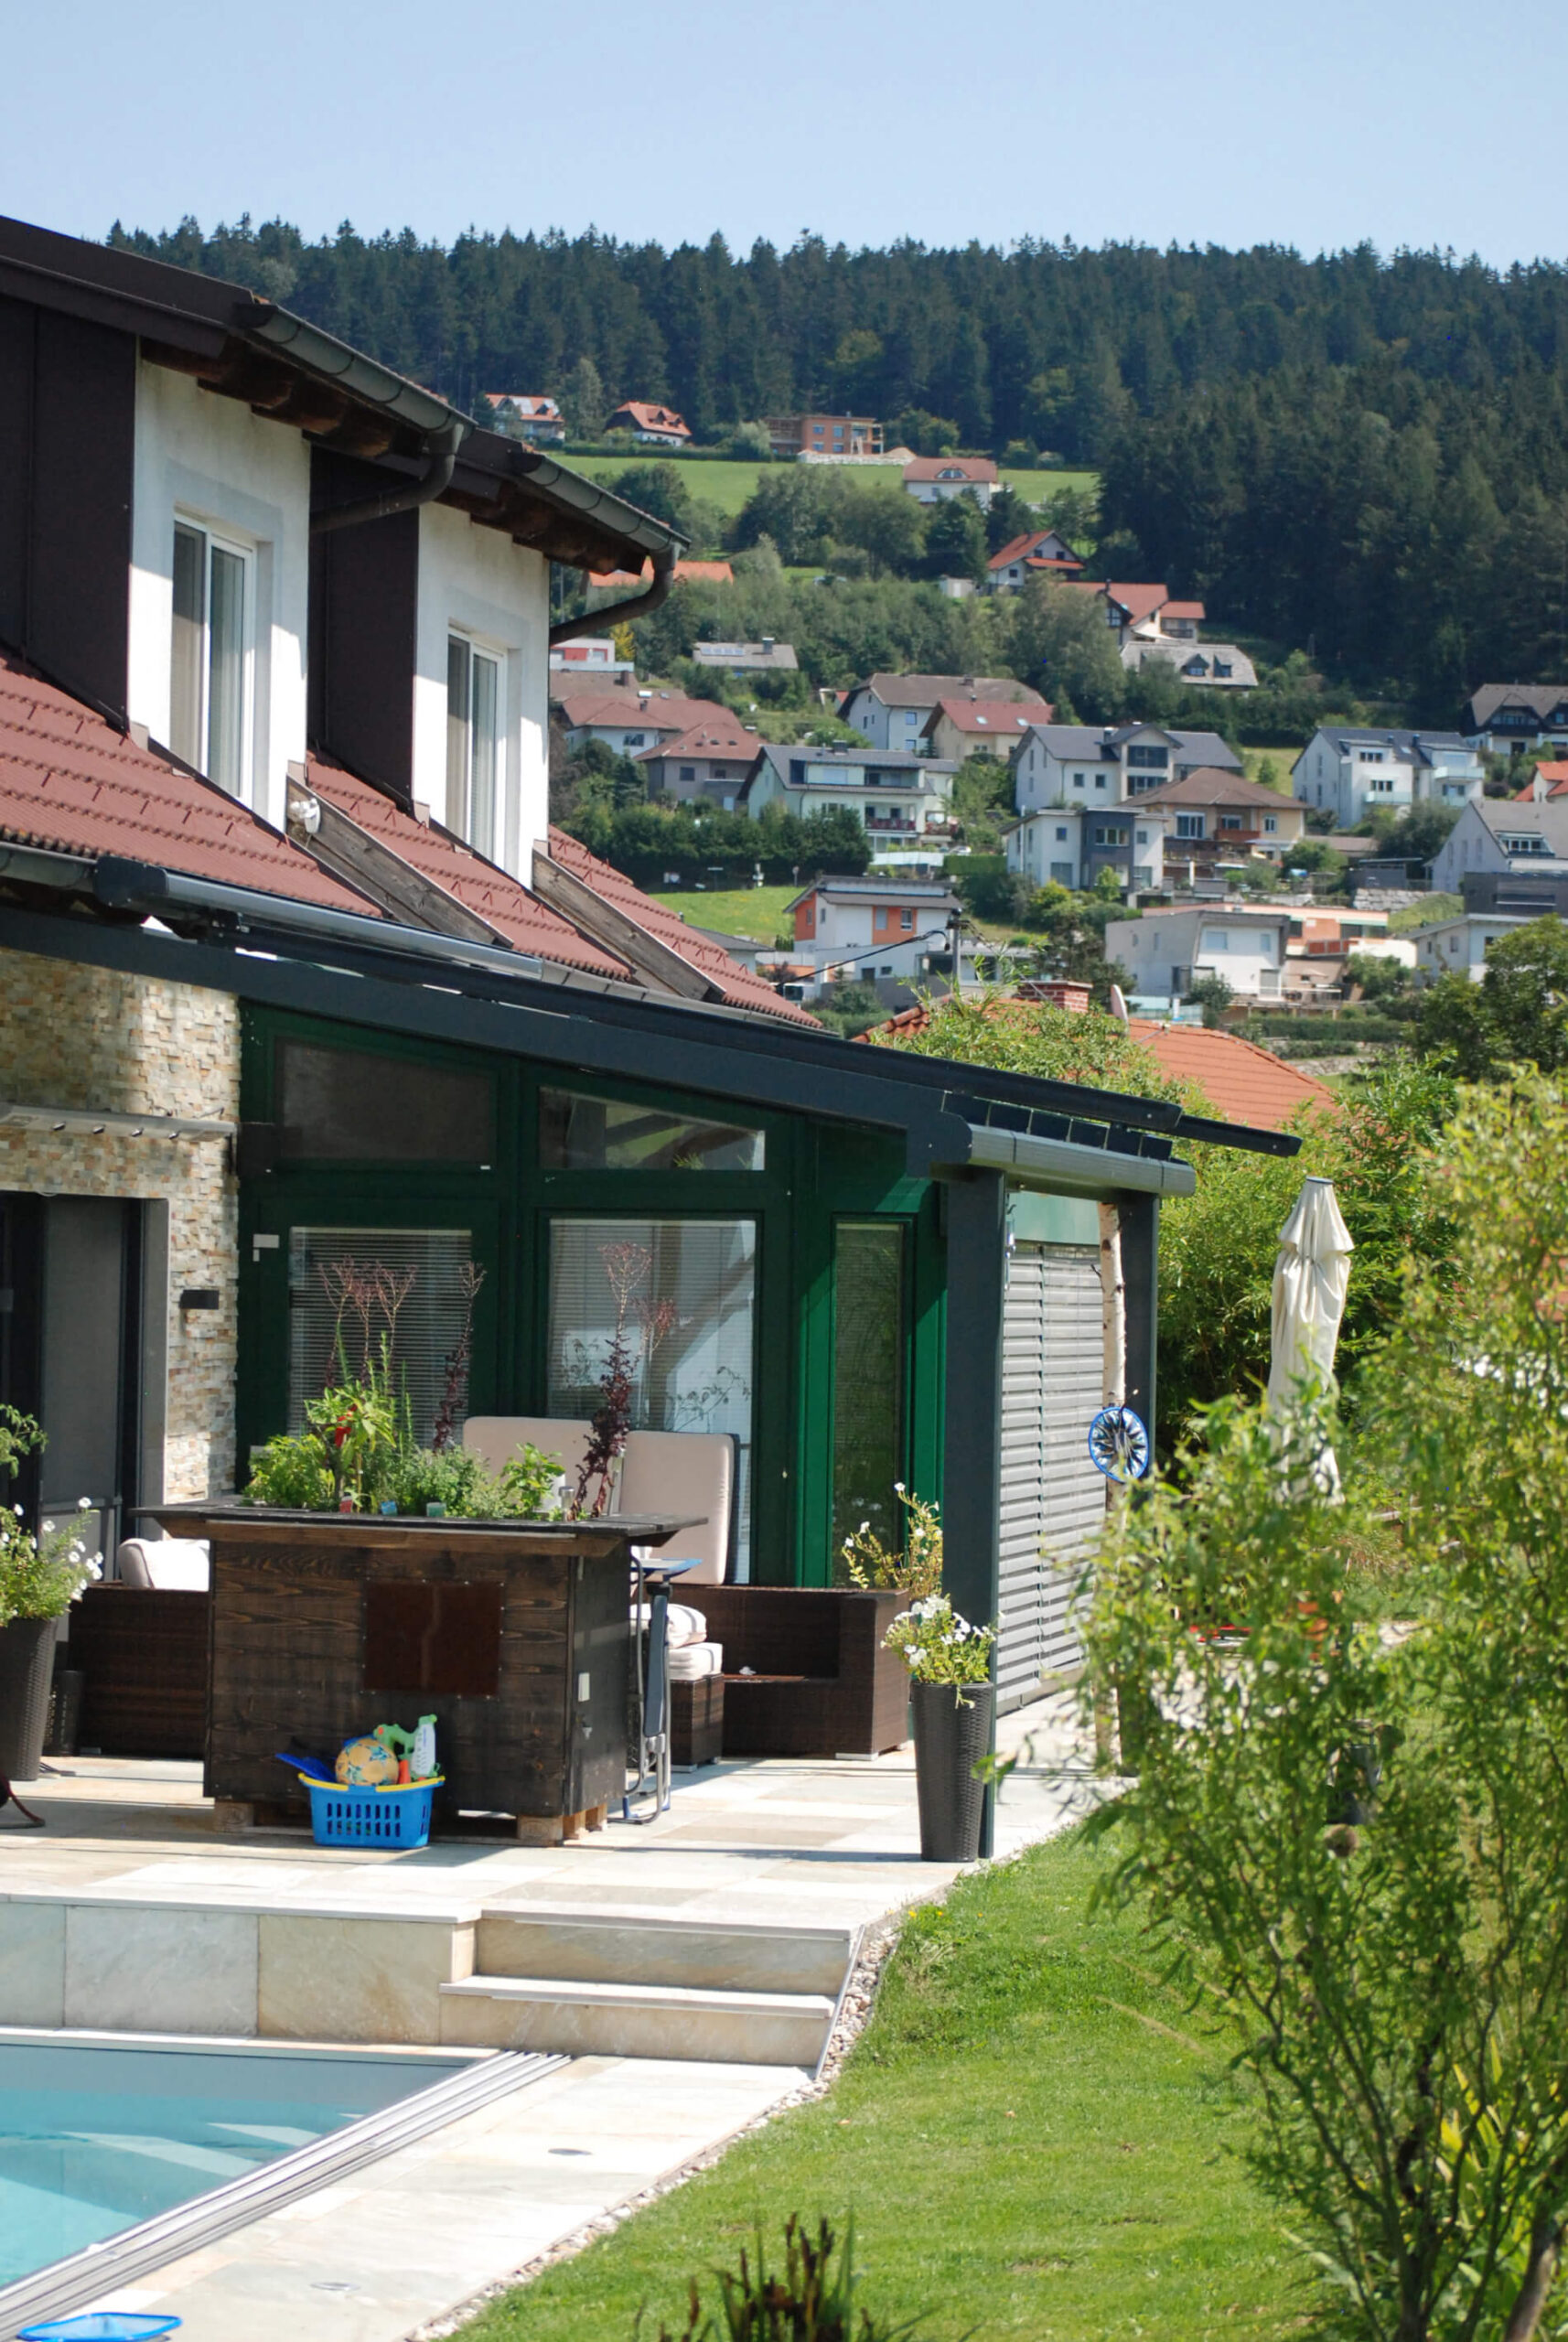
x=1222 y=816
x=656 y=425
x=706 y=764
x=1496 y=901
x=538 y=420
x=894 y=710
x=1459 y=947
x=898 y=799
x=1502 y=835
x=765 y=658
x=967 y=725
x=1086 y=765
x=1069 y=846
x=628 y=722
x=292 y=971
x=1220 y=666
x=1350 y=772
x=1505 y=717
x=824 y=436
x=1168 y=951
x=587 y=657
x=1144 y=611
x=862 y=929
x=1548 y=780
x=933 y=480
x=1039 y=553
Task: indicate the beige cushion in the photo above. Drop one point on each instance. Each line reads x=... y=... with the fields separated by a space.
x=689 y=1474
x=691 y=1661
x=496 y=1439
x=168 y=1564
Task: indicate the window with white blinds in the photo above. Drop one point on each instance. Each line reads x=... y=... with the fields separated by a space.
x=412 y=1282
x=688 y=1315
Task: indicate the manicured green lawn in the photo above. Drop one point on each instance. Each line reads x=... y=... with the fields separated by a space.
x=756 y=912
x=1281 y=760
x=1031 y=2141
x=729 y=484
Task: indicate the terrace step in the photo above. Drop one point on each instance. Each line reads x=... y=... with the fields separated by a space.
x=592 y=1948
x=619 y=2019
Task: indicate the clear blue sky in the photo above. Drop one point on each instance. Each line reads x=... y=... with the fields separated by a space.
x=1410 y=122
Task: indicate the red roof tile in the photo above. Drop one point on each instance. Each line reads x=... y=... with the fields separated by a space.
x=985 y=718
x=739 y=987
x=70 y=782
x=648 y=416
x=1140 y=602
x=662 y=712
x=436 y=853
x=1554 y=776
x=979 y=470
x=687 y=573
x=713 y=738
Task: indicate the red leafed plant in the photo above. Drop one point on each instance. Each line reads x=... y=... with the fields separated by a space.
x=640 y=1324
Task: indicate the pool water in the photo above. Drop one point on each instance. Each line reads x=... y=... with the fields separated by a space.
x=96 y=2137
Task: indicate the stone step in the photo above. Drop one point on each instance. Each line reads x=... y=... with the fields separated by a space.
x=594 y=1947
x=636 y=2020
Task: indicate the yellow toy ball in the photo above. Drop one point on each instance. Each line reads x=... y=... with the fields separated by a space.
x=367 y=1764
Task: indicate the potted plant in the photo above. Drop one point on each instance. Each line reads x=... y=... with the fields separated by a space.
x=40 y=1577
x=951 y=1696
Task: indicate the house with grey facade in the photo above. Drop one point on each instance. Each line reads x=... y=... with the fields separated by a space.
x=1090 y=765
x=1503 y=835
x=1351 y=772
x=897 y=799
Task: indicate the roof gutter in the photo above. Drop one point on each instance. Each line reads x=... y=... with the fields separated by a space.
x=444 y=443
x=639 y=604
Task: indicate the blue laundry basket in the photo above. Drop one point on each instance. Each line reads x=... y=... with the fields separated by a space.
x=390 y=1816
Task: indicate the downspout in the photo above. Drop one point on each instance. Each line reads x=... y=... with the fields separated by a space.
x=444 y=446
x=638 y=605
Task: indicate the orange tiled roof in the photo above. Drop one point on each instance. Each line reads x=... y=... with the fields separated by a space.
x=985 y=718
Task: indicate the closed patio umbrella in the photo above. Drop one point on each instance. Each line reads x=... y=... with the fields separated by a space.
x=1312 y=1273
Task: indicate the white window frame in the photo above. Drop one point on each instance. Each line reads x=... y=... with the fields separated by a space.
x=217 y=537
x=460 y=817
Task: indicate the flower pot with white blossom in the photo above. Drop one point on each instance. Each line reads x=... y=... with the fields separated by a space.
x=40 y=1577
x=952 y=1698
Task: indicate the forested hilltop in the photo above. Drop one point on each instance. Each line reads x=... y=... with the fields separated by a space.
x=1362 y=459
x=1043 y=344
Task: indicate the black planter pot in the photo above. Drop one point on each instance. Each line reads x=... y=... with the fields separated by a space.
x=27 y=1664
x=952 y=1733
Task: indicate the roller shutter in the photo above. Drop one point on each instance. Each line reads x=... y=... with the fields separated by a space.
x=1053 y=1500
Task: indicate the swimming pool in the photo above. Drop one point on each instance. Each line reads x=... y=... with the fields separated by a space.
x=96 y=2137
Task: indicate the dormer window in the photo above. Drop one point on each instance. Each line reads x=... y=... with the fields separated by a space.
x=209 y=668
x=473 y=741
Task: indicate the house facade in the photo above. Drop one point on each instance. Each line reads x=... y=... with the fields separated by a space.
x=1218 y=816
x=1458 y=947
x=897 y=799
x=1218 y=666
x=862 y=929
x=1504 y=718
x=1068 y=846
x=892 y=711
x=538 y=420
x=271 y=1009
x=706 y=764
x=1351 y=773
x=967 y=725
x=934 y=479
x=824 y=436
x=1086 y=766
x=1168 y=951
x=768 y=656
x=1039 y=553
x=1502 y=837
x=655 y=425
x=627 y=723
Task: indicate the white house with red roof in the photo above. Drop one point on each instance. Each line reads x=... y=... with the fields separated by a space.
x=892 y=711
x=935 y=479
x=627 y=723
x=526 y=415
x=1039 y=553
x=965 y=725
x=655 y=425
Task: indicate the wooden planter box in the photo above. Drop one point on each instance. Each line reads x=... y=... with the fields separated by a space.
x=142 y=1651
x=514 y=1636
x=822 y=1684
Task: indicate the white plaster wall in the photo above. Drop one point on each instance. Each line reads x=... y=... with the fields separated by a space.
x=209 y=458
x=477 y=580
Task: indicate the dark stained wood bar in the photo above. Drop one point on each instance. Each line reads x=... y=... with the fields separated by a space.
x=514 y=1636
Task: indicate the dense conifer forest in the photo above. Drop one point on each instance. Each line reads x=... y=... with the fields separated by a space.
x=1365 y=457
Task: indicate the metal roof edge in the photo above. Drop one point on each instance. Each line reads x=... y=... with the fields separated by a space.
x=1059 y=1167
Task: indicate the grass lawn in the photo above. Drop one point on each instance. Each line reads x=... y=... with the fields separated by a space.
x=756 y=912
x=1032 y=2144
x=729 y=484
x=1281 y=760
x=1426 y=913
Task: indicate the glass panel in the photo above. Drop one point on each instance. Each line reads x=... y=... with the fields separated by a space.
x=692 y=1372
x=868 y=1381
x=579 y=1133
x=485 y=689
x=186 y=660
x=341 y=1105
x=457 y=664
x=226 y=677
x=348 y=1287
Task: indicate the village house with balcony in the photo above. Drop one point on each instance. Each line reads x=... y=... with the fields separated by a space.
x=1039 y=553
x=1087 y=765
x=897 y=799
x=967 y=725
x=1069 y=846
x=1167 y=950
x=1507 y=718
x=1216 y=817
x=872 y=929
x=1351 y=772
x=892 y=711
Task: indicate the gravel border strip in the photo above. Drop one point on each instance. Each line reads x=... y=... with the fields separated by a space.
x=855 y=2006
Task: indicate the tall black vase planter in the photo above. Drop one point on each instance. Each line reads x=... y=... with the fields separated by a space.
x=952 y=1733
x=27 y=1664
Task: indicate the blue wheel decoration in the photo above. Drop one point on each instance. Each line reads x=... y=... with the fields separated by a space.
x=1118 y=1444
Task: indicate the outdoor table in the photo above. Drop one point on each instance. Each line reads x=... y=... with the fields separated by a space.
x=514 y=1635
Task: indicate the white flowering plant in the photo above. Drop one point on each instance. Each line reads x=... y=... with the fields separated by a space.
x=40 y=1577
x=918 y=1569
x=936 y=1646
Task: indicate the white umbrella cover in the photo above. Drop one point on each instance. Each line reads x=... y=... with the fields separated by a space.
x=1312 y=1273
